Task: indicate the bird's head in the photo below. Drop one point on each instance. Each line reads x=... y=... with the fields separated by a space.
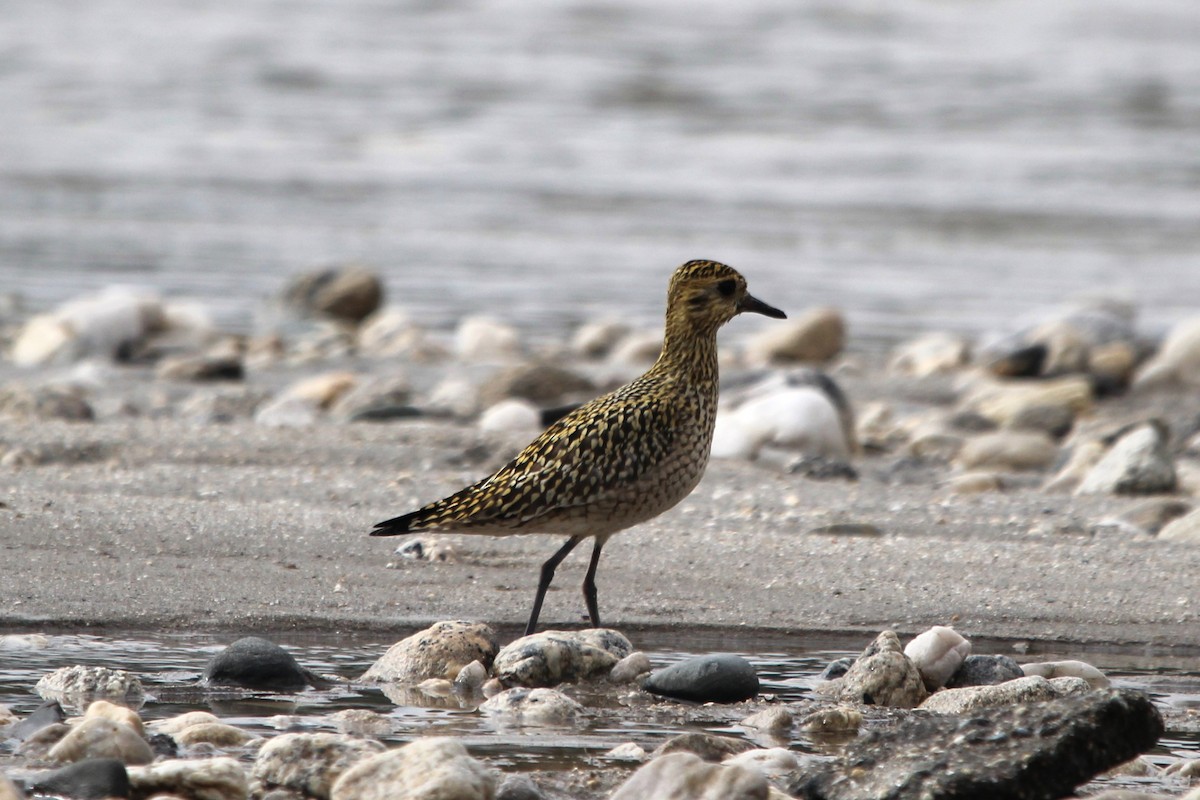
x=707 y=294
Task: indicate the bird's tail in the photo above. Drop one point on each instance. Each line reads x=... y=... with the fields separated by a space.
x=397 y=525
x=455 y=508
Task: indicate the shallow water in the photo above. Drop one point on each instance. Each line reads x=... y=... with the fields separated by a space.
x=169 y=665
x=920 y=164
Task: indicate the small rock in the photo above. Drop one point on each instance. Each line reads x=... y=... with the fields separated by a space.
x=38 y=744
x=310 y=763
x=533 y=706
x=937 y=654
x=375 y=398
x=220 y=778
x=771 y=761
x=1147 y=518
x=637 y=349
x=116 y=713
x=223 y=363
x=511 y=416
x=1034 y=750
x=255 y=663
x=984 y=671
x=881 y=676
x=346 y=293
x=1054 y=421
x=929 y=354
x=440 y=651
x=1004 y=401
x=481 y=339
x=1184 y=529
x=829 y=721
x=96 y=737
x=287 y=412
x=708 y=746
x=683 y=775
x=1008 y=450
x=801 y=418
x=630 y=668
x=629 y=751
x=706 y=679
x=1082 y=456
x=80 y=685
x=174 y=725
x=1068 y=669
x=45 y=715
x=553 y=657
x=1177 y=361
x=362 y=722
x=519 y=787
x=9 y=790
x=972 y=698
x=836 y=668
x=429 y=768
x=92 y=778
x=67 y=403
x=389 y=332
x=470 y=678
x=597 y=339
x=976 y=482
x=1138 y=463
x=774 y=720
x=817 y=335
x=540 y=384
x=216 y=734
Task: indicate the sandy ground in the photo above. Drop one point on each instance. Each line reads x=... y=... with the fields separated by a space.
x=148 y=523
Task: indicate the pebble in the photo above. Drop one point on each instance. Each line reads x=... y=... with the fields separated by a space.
x=972 y=698
x=839 y=720
x=533 y=706
x=519 y=787
x=48 y=402
x=629 y=751
x=347 y=293
x=540 y=384
x=1147 y=518
x=94 y=777
x=45 y=715
x=1028 y=750
x=470 y=678
x=483 y=339
x=116 y=713
x=717 y=678
x=310 y=763
x=1068 y=669
x=174 y=725
x=596 y=340
x=1003 y=401
x=440 y=651
x=773 y=720
x=983 y=670
x=362 y=722
x=684 y=775
x=630 y=668
x=937 y=654
x=256 y=663
x=976 y=482
x=770 y=761
x=1008 y=450
x=390 y=332
x=816 y=335
x=429 y=768
x=219 y=778
x=881 y=676
x=708 y=746
x=1138 y=463
x=929 y=354
x=1177 y=361
x=1184 y=529
x=376 y=397
x=217 y=734
x=96 y=737
x=553 y=657
x=511 y=416
x=799 y=418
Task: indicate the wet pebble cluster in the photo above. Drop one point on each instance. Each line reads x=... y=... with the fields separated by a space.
x=1036 y=730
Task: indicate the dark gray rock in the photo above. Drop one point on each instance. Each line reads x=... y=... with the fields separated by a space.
x=706 y=679
x=519 y=787
x=255 y=663
x=45 y=715
x=85 y=780
x=1034 y=751
x=836 y=669
x=985 y=671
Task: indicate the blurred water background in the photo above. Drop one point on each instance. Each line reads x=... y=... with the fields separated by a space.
x=919 y=163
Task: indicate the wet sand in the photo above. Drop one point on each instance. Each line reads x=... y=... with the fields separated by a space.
x=163 y=524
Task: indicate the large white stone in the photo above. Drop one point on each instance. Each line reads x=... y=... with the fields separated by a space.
x=433 y=768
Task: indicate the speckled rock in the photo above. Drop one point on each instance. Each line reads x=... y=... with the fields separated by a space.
x=310 y=762
x=255 y=663
x=683 y=775
x=431 y=768
x=1138 y=463
x=720 y=678
x=839 y=720
x=982 y=670
x=881 y=676
x=439 y=651
x=533 y=707
x=1184 y=529
x=79 y=685
x=47 y=402
x=95 y=777
x=96 y=737
x=973 y=698
x=937 y=654
x=553 y=657
x=1031 y=751
x=220 y=778
x=1067 y=669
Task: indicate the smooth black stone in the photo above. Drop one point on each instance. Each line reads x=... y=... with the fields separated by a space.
x=985 y=671
x=837 y=669
x=90 y=779
x=706 y=679
x=1030 y=751
x=45 y=715
x=256 y=663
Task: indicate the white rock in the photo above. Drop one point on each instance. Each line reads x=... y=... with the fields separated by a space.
x=484 y=339
x=938 y=653
x=311 y=763
x=533 y=707
x=96 y=737
x=1184 y=529
x=511 y=416
x=929 y=354
x=801 y=417
x=685 y=776
x=471 y=677
x=1067 y=669
x=1177 y=360
x=288 y=412
x=430 y=768
x=440 y=651
x=1138 y=463
x=220 y=778
x=629 y=751
x=553 y=657
x=771 y=761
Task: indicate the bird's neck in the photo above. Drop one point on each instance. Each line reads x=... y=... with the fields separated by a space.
x=689 y=351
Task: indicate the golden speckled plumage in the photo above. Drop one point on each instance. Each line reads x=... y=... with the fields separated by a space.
x=620 y=459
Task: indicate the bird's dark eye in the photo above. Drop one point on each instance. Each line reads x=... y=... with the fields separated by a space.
x=727 y=287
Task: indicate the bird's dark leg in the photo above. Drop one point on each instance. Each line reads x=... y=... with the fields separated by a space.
x=589 y=585
x=547 y=576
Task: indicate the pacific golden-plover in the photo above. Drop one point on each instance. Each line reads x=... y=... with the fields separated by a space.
x=620 y=459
